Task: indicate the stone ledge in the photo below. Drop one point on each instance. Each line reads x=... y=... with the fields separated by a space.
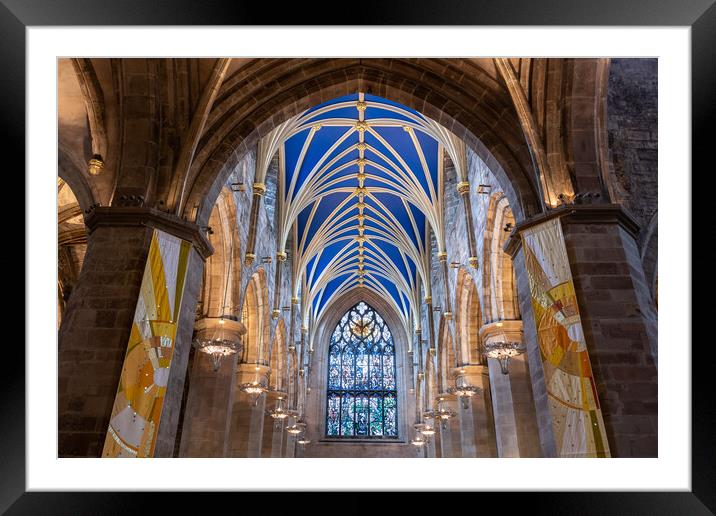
x=104 y=216
x=576 y=214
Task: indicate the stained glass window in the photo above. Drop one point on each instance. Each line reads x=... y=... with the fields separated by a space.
x=362 y=401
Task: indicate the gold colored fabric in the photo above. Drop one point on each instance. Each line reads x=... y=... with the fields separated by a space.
x=576 y=415
x=139 y=401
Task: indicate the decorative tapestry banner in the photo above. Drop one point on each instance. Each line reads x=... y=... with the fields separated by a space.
x=138 y=405
x=576 y=415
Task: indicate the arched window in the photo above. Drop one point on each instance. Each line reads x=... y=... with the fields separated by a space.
x=362 y=400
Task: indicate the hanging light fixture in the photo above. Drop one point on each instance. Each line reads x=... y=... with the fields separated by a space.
x=464 y=390
x=427 y=428
x=296 y=428
x=218 y=341
x=279 y=412
x=302 y=440
x=418 y=440
x=503 y=351
x=222 y=339
x=256 y=387
x=444 y=412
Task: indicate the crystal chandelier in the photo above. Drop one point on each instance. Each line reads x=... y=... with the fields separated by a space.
x=279 y=412
x=296 y=428
x=464 y=390
x=503 y=351
x=256 y=387
x=427 y=429
x=418 y=440
x=217 y=342
x=444 y=412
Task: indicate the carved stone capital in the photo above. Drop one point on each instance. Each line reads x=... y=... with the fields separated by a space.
x=501 y=330
x=210 y=323
x=247 y=373
x=122 y=216
x=463 y=187
x=259 y=188
x=576 y=214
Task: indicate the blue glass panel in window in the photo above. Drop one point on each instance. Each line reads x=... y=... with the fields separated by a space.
x=347 y=368
x=347 y=407
x=361 y=427
x=389 y=406
x=376 y=415
x=334 y=368
x=361 y=381
x=334 y=409
x=388 y=368
x=376 y=377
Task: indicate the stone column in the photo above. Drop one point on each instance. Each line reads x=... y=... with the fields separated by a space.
x=208 y=405
x=512 y=402
x=291 y=445
x=97 y=322
x=247 y=414
x=274 y=434
x=619 y=324
x=463 y=188
x=475 y=413
x=280 y=258
x=259 y=190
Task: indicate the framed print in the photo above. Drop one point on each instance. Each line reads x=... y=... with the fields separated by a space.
x=387 y=256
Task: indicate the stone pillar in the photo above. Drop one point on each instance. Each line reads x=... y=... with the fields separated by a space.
x=432 y=345
x=274 y=434
x=247 y=414
x=512 y=402
x=463 y=188
x=280 y=258
x=619 y=324
x=442 y=258
x=259 y=190
x=290 y=438
x=97 y=322
x=477 y=427
x=449 y=429
x=208 y=405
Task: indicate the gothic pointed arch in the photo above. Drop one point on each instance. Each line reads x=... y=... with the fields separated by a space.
x=500 y=300
x=361 y=398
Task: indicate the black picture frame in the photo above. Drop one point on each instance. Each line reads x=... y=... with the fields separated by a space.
x=700 y=15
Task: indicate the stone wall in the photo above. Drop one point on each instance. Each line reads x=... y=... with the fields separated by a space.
x=632 y=126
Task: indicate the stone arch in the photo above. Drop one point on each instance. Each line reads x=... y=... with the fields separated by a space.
x=222 y=273
x=87 y=125
x=72 y=244
x=316 y=400
x=498 y=279
x=468 y=319
x=255 y=316
x=264 y=93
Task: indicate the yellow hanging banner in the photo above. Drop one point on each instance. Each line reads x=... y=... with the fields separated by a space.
x=576 y=415
x=139 y=401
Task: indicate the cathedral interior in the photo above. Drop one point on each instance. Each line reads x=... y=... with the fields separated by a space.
x=419 y=258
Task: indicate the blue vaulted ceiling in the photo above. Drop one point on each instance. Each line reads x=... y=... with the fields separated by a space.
x=360 y=175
